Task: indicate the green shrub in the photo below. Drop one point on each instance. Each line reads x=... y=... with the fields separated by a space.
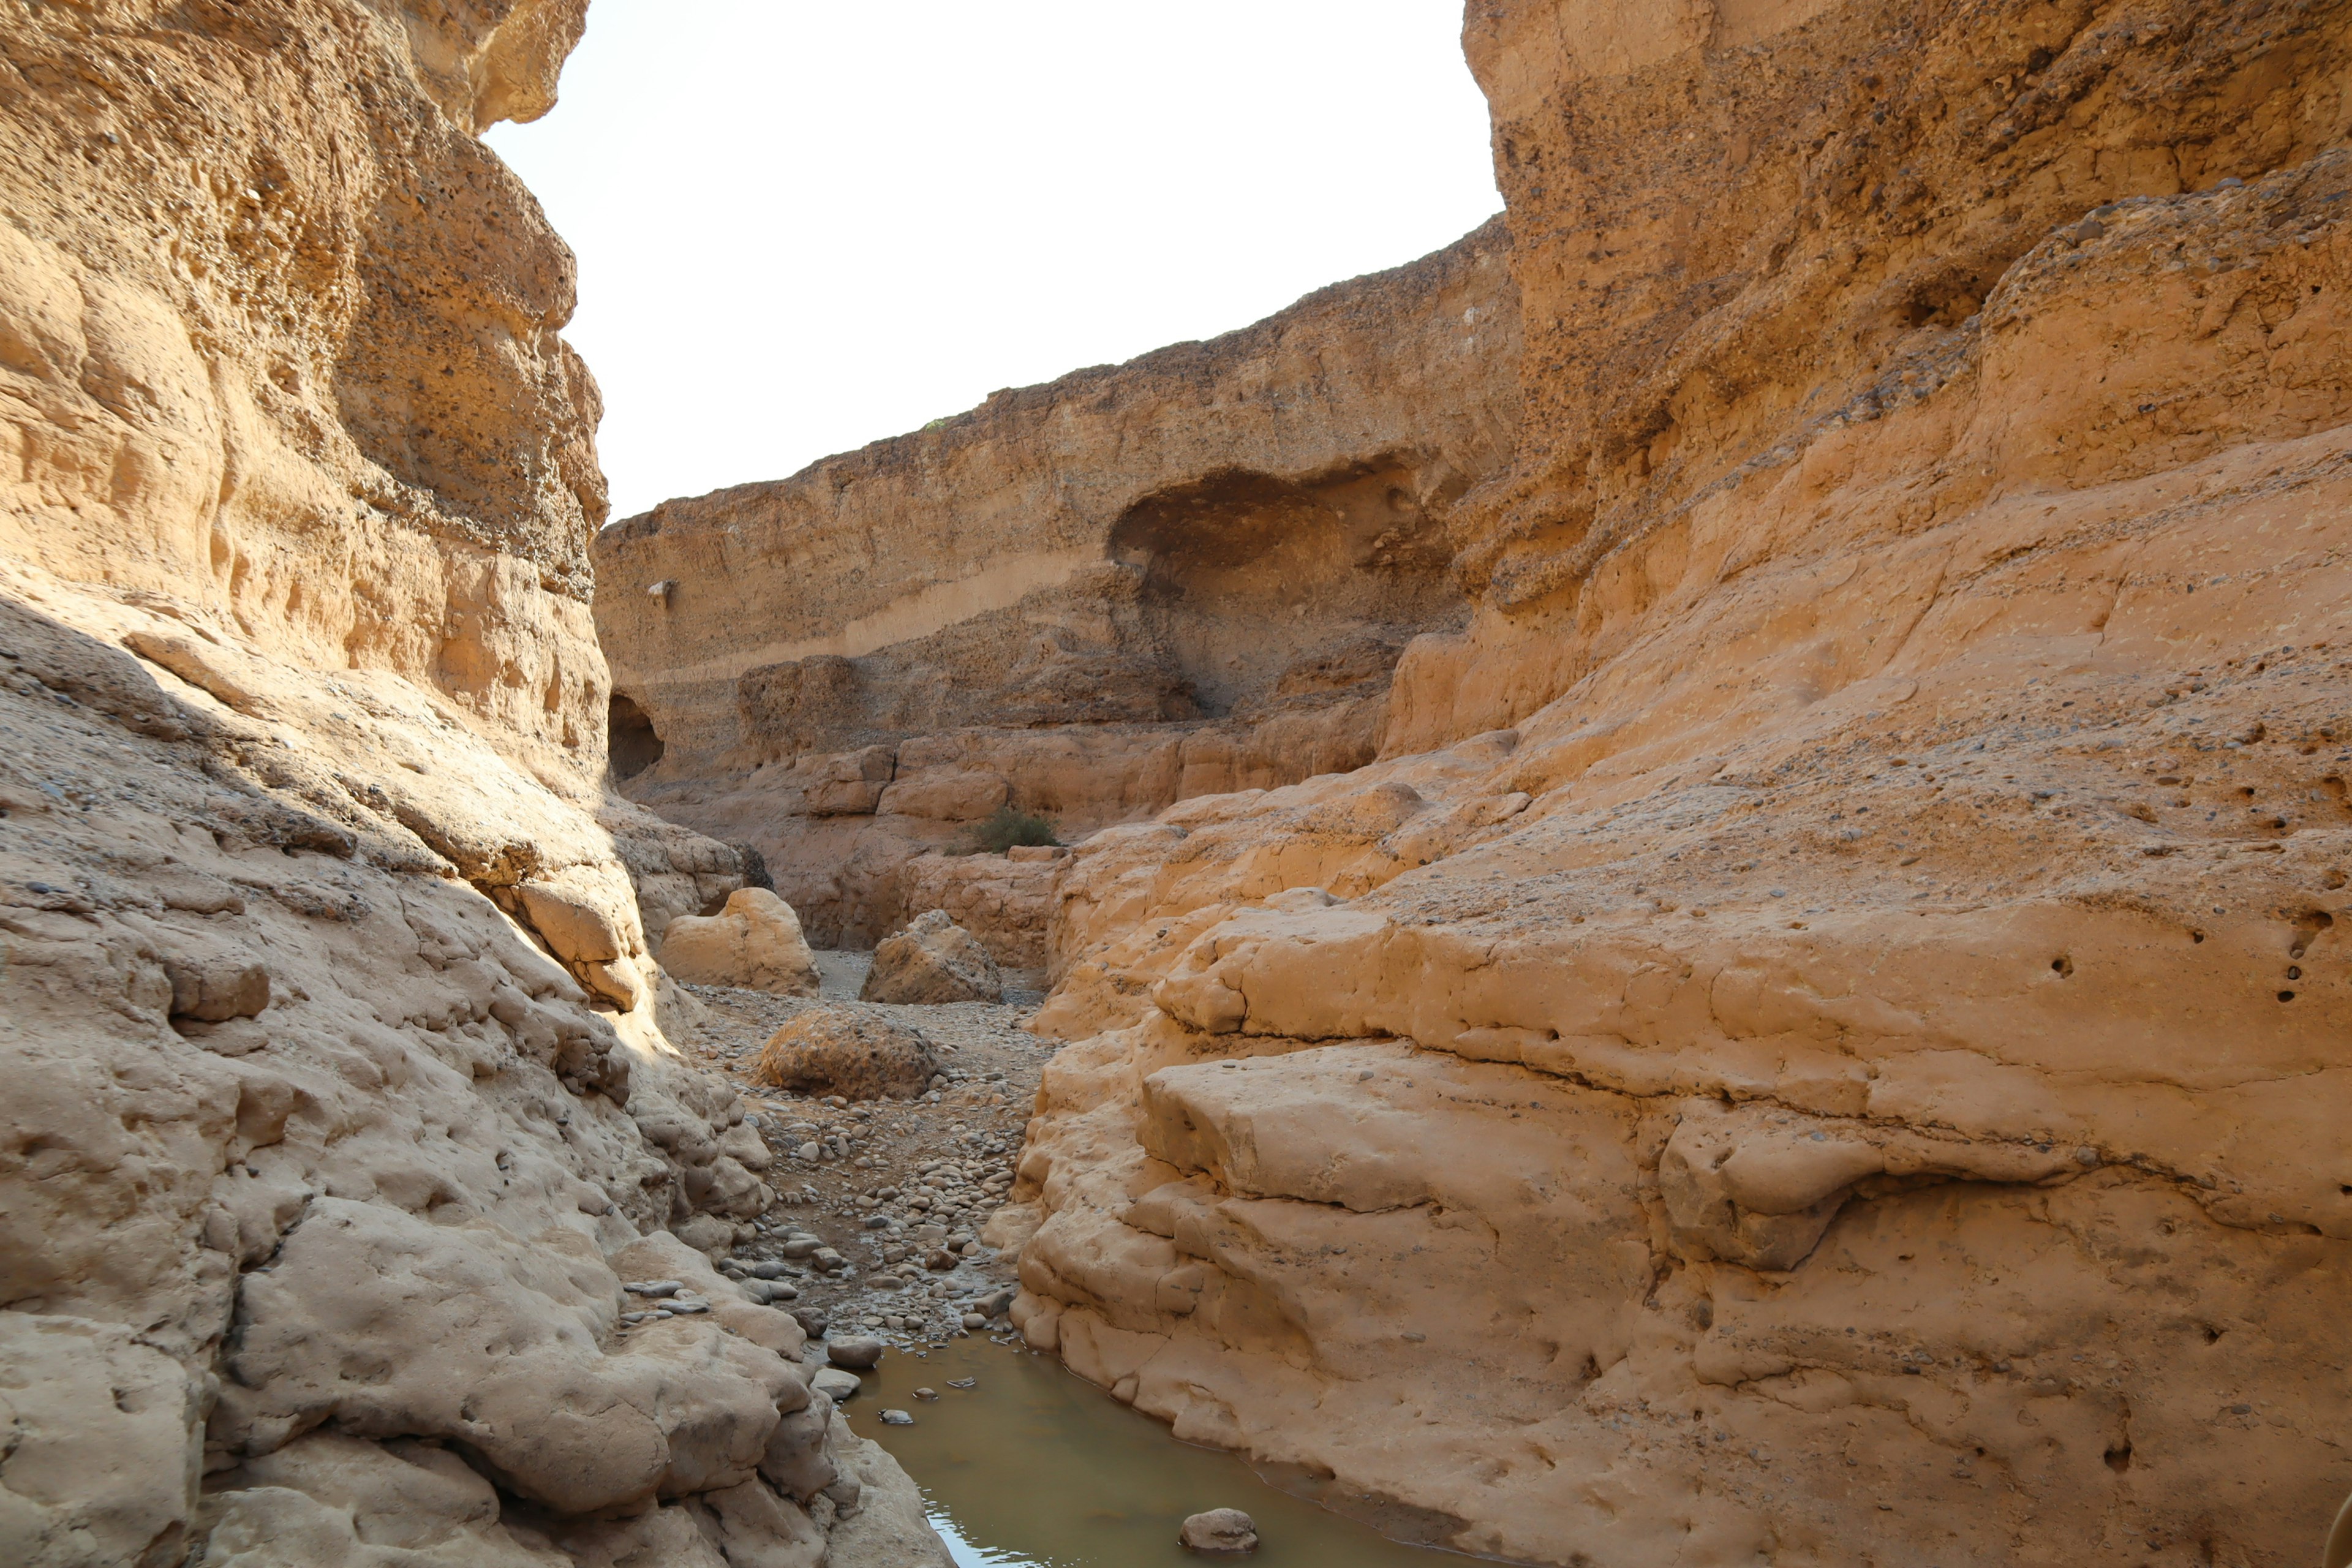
x=1008 y=828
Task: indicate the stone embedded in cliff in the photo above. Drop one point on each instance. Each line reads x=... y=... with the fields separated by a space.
x=947 y=797
x=576 y=930
x=849 y=1050
x=755 y=942
x=933 y=960
x=682 y=1407
x=102 y=1466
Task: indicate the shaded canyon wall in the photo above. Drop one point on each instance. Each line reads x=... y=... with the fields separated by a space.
x=342 y=1096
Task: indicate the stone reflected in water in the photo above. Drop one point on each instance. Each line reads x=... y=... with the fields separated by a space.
x=1024 y=1466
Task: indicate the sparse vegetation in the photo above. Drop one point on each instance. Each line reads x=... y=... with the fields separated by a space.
x=1008 y=826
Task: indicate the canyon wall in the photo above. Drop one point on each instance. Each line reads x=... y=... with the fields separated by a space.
x=1190 y=573
x=1821 y=1037
x=341 y=1091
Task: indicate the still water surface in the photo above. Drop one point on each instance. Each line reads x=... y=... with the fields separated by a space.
x=1033 y=1468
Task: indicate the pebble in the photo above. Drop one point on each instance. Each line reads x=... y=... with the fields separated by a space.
x=963 y=1383
x=654 y=1286
x=897 y=1419
x=927 y=1393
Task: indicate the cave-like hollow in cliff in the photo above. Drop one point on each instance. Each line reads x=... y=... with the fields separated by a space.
x=1258 y=587
x=636 y=745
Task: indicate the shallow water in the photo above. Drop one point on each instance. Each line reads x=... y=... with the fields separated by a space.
x=1033 y=1467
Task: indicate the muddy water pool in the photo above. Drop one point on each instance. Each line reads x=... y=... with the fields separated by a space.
x=1033 y=1468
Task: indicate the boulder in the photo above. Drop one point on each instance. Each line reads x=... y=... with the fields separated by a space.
x=933 y=960
x=755 y=942
x=851 y=1051
x=859 y=1352
x=1226 y=1530
x=575 y=930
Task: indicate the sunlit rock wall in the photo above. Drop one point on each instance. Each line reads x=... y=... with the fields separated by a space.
x=1819 y=1040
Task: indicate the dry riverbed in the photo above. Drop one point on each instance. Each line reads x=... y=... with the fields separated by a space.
x=882 y=1202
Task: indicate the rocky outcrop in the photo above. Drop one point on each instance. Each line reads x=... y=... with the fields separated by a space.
x=342 y=1103
x=1186 y=574
x=933 y=960
x=1816 y=1040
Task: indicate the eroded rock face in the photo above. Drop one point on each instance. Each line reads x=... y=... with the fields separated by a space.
x=341 y=1081
x=1828 y=998
x=1190 y=573
x=933 y=960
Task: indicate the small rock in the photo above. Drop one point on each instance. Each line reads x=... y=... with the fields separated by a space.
x=802 y=1246
x=685 y=1306
x=836 y=1385
x=974 y=1321
x=927 y=1393
x=1224 y=1530
x=963 y=1383
x=940 y=1258
x=860 y=1352
x=900 y=1418
x=654 y=1286
x=813 y=1322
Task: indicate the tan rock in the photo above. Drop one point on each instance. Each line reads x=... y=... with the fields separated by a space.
x=102 y=1458
x=754 y=942
x=1221 y=1530
x=576 y=930
x=849 y=1050
x=933 y=960
x=947 y=797
x=328 y=1498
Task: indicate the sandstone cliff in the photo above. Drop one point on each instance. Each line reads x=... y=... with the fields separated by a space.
x=1821 y=1039
x=341 y=1097
x=1185 y=574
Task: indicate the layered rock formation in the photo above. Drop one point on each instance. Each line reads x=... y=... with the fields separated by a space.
x=1186 y=574
x=342 y=1101
x=1822 y=1036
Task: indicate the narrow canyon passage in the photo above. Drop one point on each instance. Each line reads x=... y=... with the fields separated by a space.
x=1669 y=889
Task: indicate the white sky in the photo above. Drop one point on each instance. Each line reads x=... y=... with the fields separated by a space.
x=806 y=224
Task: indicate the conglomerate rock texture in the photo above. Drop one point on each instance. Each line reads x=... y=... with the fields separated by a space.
x=1822 y=1038
x=340 y=1099
x=1186 y=574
